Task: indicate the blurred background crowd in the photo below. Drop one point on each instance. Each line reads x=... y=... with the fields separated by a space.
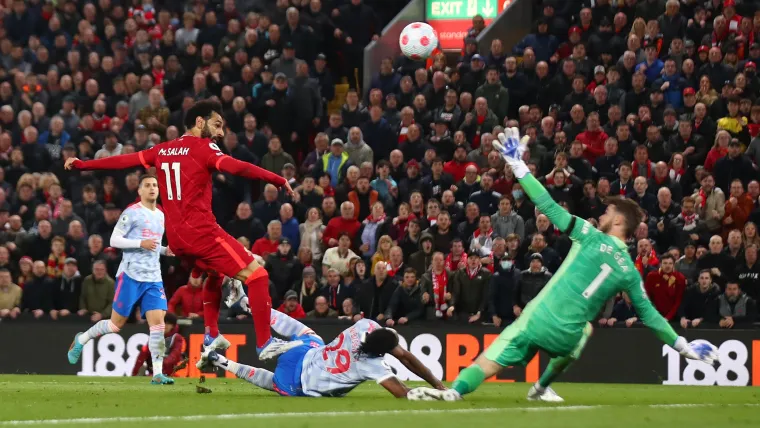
x=403 y=211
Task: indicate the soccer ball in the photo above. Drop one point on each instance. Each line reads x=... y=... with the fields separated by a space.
x=418 y=40
x=706 y=350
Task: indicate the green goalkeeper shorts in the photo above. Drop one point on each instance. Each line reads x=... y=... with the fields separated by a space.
x=515 y=346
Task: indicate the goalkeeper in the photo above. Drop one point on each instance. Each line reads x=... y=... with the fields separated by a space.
x=557 y=321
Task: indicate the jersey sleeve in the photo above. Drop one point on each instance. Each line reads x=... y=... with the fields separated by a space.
x=145 y=158
x=121 y=229
x=647 y=312
x=577 y=228
x=209 y=153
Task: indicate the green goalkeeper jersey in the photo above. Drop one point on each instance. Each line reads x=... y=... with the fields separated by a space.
x=597 y=267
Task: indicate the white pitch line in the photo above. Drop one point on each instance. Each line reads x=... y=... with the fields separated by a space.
x=233 y=416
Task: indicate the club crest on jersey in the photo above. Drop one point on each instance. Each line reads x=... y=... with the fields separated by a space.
x=214 y=147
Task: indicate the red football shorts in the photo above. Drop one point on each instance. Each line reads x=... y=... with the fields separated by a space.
x=215 y=250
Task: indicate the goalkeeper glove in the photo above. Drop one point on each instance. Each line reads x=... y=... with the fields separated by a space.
x=512 y=150
x=699 y=350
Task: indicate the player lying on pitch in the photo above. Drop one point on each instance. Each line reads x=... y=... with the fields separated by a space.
x=557 y=321
x=314 y=369
x=184 y=167
x=138 y=234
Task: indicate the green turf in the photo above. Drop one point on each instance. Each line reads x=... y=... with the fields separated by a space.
x=34 y=398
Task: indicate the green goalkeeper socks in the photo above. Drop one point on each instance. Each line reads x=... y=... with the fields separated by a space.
x=469 y=379
x=556 y=367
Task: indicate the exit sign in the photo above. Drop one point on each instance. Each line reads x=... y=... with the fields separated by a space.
x=452 y=18
x=461 y=9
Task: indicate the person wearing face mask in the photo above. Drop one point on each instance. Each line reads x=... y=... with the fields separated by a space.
x=522 y=205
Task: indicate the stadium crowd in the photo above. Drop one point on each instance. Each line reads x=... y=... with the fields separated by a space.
x=403 y=211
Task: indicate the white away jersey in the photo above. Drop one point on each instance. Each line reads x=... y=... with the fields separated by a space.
x=139 y=222
x=336 y=369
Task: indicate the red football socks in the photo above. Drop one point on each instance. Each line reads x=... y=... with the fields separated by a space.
x=260 y=304
x=212 y=300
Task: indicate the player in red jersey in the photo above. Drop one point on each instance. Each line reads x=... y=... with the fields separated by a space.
x=184 y=167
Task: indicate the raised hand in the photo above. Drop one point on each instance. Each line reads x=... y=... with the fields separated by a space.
x=512 y=150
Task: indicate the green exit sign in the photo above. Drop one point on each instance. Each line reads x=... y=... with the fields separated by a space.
x=461 y=9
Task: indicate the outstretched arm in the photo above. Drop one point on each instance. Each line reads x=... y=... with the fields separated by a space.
x=233 y=166
x=512 y=150
x=538 y=194
x=649 y=315
x=415 y=366
x=131 y=160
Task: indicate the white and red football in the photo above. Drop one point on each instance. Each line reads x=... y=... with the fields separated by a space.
x=418 y=40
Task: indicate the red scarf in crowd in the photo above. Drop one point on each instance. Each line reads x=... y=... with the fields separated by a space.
x=450 y=264
x=55 y=264
x=688 y=220
x=158 y=77
x=702 y=197
x=372 y=219
x=478 y=233
x=636 y=166
x=651 y=261
x=392 y=270
x=472 y=273
x=624 y=188
x=676 y=174
x=476 y=138
x=440 y=285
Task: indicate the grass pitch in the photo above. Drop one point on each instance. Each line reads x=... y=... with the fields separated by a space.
x=28 y=400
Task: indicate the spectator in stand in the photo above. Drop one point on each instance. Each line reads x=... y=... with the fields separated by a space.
x=646 y=259
x=734 y=166
x=346 y=223
x=717 y=261
x=307 y=288
x=738 y=208
x=698 y=300
x=469 y=291
x=291 y=307
x=340 y=256
x=748 y=272
x=10 y=296
x=711 y=204
x=373 y=295
x=268 y=244
x=543 y=43
x=407 y=302
x=284 y=268
x=322 y=309
x=97 y=293
x=67 y=289
x=37 y=297
x=733 y=308
x=623 y=311
x=189 y=298
x=335 y=290
x=687 y=264
x=531 y=282
x=665 y=287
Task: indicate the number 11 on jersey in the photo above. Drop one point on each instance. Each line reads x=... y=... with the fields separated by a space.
x=169 y=192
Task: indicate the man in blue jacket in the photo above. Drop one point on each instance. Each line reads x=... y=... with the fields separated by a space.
x=543 y=43
x=671 y=84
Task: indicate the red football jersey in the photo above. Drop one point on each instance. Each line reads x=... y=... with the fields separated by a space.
x=184 y=167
